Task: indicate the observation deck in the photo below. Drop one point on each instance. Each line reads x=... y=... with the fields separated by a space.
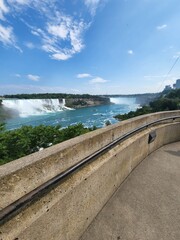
x=119 y=182
x=146 y=205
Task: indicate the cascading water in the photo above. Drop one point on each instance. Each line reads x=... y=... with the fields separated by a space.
x=130 y=102
x=123 y=100
x=28 y=107
x=39 y=112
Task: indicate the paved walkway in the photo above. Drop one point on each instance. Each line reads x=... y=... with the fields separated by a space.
x=147 y=204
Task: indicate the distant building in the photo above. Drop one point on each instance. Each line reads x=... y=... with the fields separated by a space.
x=167 y=88
x=177 y=84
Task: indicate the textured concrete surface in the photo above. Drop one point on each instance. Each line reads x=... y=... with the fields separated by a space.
x=25 y=174
x=68 y=209
x=146 y=205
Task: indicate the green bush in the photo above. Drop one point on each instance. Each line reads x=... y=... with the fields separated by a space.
x=27 y=139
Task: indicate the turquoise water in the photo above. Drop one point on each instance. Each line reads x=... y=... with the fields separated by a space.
x=91 y=116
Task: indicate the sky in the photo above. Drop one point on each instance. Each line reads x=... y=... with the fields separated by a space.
x=88 y=46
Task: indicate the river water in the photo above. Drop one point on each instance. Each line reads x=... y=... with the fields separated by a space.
x=89 y=117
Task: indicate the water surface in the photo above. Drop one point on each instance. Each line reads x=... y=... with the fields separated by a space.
x=91 y=116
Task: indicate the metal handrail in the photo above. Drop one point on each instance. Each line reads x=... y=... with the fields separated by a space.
x=14 y=208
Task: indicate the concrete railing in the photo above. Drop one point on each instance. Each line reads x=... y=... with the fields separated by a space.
x=67 y=210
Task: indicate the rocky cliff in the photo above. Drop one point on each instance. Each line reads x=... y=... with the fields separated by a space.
x=86 y=102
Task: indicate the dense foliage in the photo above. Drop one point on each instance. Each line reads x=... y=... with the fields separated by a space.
x=131 y=114
x=174 y=94
x=51 y=96
x=166 y=102
x=26 y=140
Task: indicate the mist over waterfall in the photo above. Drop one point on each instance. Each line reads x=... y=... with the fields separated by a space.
x=123 y=100
x=130 y=102
x=28 y=107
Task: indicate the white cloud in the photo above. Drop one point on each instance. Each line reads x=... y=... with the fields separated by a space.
x=92 y=5
x=68 y=30
x=75 y=36
x=17 y=75
x=97 y=80
x=60 y=35
x=83 y=75
x=21 y=2
x=161 y=27
x=29 y=45
x=6 y=35
x=60 y=30
x=3 y=9
x=61 y=56
x=61 y=38
x=33 y=77
x=130 y=52
x=17 y=4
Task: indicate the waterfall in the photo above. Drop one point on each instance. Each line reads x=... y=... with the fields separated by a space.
x=130 y=102
x=28 y=107
x=123 y=100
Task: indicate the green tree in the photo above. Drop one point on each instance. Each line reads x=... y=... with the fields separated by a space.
x=164 y=104
x=27 y=139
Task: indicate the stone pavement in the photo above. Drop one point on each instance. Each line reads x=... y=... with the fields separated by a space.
x=147 y=205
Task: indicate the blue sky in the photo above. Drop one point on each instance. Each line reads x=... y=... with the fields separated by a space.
x=88 y=46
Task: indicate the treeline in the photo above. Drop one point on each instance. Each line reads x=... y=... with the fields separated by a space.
x=153 y=95
x=52 y=96
x=166 y=102
x=27 y=139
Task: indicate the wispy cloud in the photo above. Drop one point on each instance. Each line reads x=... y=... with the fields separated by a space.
x=130 y=52
x=61 y=35
x=6 y=35
x=97 y=80
x=83 y=75
x=30 y=45
x=161 y=27
x=15 y=89
x=92 y=5
x=154 y=76
x=59 y=31
x=61 y=55
x=65 y=30
x=177 y=55
x=17 y=75
x=3 y=9
x=94 y=80
x=35 y=78
x=21 y=2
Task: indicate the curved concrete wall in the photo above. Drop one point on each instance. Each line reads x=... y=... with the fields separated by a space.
x=67 y=210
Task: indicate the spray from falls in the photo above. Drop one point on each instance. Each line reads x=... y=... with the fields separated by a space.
x=129 y=102
x=29 y=107
x=123 y=100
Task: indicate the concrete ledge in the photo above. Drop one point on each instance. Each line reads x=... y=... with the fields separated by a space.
x=27 y=173
x=69 y=208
